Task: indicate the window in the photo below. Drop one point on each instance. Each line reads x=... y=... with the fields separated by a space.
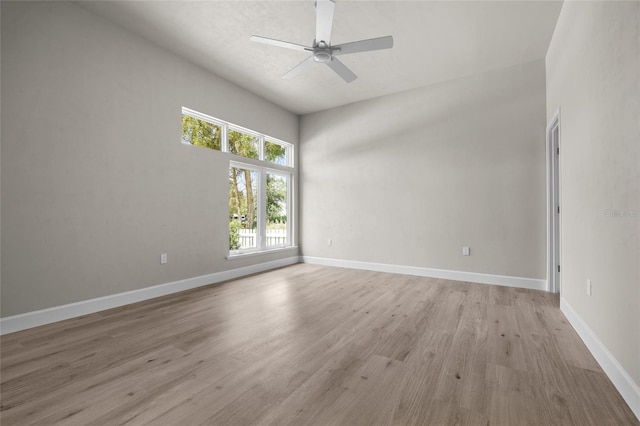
x=259 y=208
x=277 y=209
x=243 y=208
x=199 y=132
x=260 y=181
x=275 y=152
x=244 y=144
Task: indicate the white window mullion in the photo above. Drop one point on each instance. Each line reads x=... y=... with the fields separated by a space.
x=262 y=210
x=225 y=138
x=261 y=155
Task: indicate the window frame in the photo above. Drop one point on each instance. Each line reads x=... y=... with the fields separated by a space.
x=261 y=208
x=262 y=139
x=262 y=167
x=288 y=209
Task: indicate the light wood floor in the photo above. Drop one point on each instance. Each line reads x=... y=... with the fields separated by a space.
x=312 y=345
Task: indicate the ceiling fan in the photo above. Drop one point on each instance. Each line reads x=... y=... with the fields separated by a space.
x=322 y=50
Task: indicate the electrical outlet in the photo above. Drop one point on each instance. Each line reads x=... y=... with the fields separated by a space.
x=163 y=258
x=329 y=242
x=466 y=251
x=588 y=287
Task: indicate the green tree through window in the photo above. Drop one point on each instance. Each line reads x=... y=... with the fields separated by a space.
x=201 y=133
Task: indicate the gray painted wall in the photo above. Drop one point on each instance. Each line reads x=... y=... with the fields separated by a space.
x=95 y=181
x=593 y=77
x=408 y=179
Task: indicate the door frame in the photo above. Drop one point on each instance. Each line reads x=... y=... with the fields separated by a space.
x=554 y=192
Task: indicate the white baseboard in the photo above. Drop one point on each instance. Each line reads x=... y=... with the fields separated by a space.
x=59 y=313
x=507 y=281
x=627 y=387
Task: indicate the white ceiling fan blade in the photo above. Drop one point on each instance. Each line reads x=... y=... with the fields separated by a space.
x=299 y=68
x=285 y=44
x=324 y=20
x=364 y=45
x=342 y=70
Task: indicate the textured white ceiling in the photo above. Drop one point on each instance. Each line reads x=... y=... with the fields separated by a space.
x=434 y=41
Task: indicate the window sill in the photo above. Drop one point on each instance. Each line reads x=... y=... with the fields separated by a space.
x=259 y=252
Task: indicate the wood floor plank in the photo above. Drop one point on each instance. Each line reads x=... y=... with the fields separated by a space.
x=505 y=338
x=426 y=366
x=312 y=345
x=199 y=374
x=370 y=396
x=320 y=391
x=510 y=391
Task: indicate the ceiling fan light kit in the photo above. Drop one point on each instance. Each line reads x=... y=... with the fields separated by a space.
x=322 y=55
x=322 y=51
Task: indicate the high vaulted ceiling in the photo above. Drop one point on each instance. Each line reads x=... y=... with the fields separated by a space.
x=434 y=41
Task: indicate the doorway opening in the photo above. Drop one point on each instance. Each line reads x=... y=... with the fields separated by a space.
x=554 y=273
